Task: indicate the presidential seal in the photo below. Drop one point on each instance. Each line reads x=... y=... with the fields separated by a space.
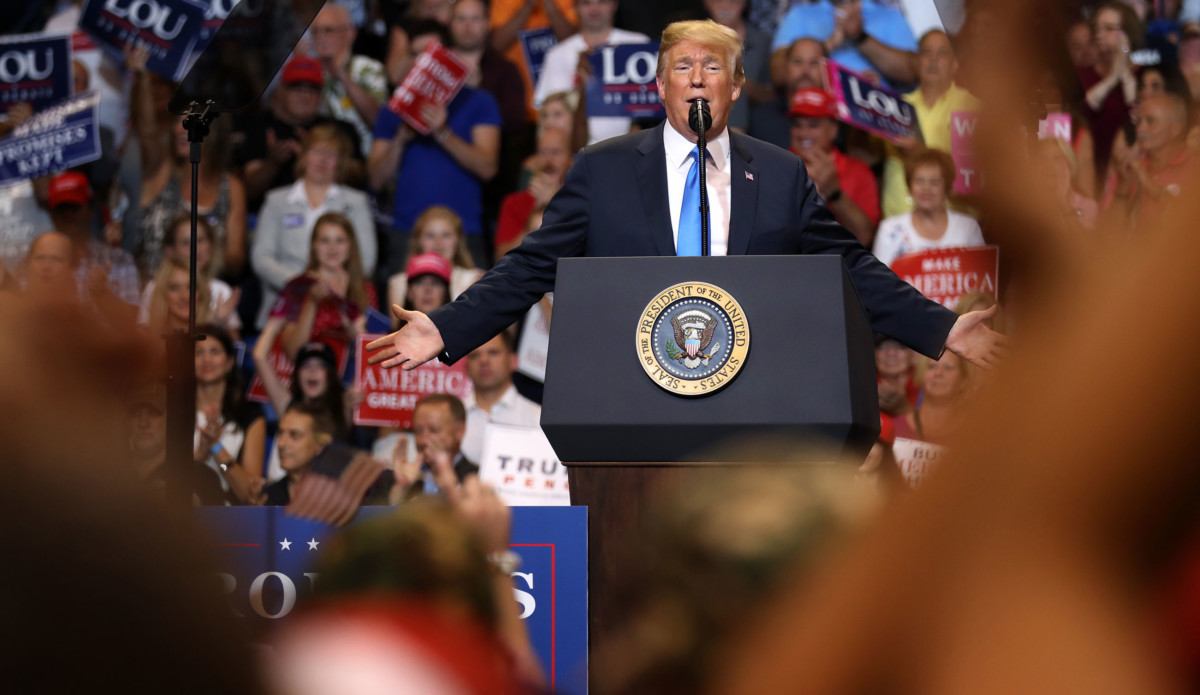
x=692 y=339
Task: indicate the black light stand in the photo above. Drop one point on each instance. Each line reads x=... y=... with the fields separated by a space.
x=181 y=345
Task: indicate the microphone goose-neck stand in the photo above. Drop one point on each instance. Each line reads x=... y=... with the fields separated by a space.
x=699 y=120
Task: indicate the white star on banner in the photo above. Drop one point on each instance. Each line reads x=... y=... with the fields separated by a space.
x=312 y=545
x=285 y=544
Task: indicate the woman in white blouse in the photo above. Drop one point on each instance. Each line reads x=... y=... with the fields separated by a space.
x=285 y=224
x=930 y=224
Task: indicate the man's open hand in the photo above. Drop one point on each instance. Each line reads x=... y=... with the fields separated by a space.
x=412 y=346
x=972 y=340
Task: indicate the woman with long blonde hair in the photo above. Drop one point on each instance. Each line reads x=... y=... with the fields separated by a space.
x=222 y=299
x=168 y=307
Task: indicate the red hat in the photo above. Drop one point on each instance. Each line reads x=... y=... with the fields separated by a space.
x=887 y=429
x=813 y=103
x=428 y=264
x=69 y=187
x=303 y=69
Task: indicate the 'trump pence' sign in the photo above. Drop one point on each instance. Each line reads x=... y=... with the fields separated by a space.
x=523 y=468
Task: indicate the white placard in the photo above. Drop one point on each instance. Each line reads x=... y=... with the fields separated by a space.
x=523 y=468
x=535 y=343
x=917 y=459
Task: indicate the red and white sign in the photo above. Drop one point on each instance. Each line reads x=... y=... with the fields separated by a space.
x=916 y=459
x=945 y=275
x=390 y=395
x=283 y=370
x=434 y=79
x=969 y=179
x=520 y=464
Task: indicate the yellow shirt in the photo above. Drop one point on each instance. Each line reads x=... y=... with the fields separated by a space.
x=935 y=127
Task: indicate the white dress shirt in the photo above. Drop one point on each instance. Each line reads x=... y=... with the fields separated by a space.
x=717 y=173
x=512 y=409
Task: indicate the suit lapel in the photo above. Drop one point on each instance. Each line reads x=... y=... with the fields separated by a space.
x=651 y=172
x=744 y=196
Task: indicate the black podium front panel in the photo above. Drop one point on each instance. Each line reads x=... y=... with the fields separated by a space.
x=808 y=376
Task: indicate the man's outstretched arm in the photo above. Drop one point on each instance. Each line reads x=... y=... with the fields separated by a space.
x=503 y=294
x=417 y=342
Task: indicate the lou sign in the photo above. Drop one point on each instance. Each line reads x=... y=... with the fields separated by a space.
x=35 y=69
x=622 y=82
x=875 y=109
x=168 y=28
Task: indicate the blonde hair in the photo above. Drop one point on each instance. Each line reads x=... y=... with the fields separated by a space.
x=325 y=134
x=184 y=219
x=356 y=287
x=159 y=319
x=462 y=255
x=706 y=33
x=567 y=99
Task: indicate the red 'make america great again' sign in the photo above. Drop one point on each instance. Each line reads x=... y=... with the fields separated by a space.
x=390 y=395
x=945 y=275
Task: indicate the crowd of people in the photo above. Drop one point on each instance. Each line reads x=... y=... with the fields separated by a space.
x=321 y=201
x=321 y=206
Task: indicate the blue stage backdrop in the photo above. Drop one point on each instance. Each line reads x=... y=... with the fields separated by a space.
x=266 y=560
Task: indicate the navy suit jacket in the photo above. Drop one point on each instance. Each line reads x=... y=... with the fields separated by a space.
x=614 y=203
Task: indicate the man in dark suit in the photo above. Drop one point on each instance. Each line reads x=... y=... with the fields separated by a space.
x=630 y=196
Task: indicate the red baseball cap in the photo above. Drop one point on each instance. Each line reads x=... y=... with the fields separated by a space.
x=428 y=264
x=812 y=103
x=303 y=69
x=69 y=187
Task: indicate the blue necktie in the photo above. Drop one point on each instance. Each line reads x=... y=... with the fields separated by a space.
x=688 y=243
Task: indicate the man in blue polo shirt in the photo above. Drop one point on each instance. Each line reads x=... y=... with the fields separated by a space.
x=866 y=36
x=447 y=167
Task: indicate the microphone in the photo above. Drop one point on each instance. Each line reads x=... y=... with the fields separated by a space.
x=699 y=119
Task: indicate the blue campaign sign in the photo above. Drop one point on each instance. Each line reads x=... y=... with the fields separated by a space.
x=535 y=43
x=169 y=28
x=622 y=82
x=267 y=558
x=57 y=138
x=35 y=69
x=873 y=108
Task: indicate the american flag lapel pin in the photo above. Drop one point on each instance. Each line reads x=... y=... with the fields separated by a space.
x=749 y=176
